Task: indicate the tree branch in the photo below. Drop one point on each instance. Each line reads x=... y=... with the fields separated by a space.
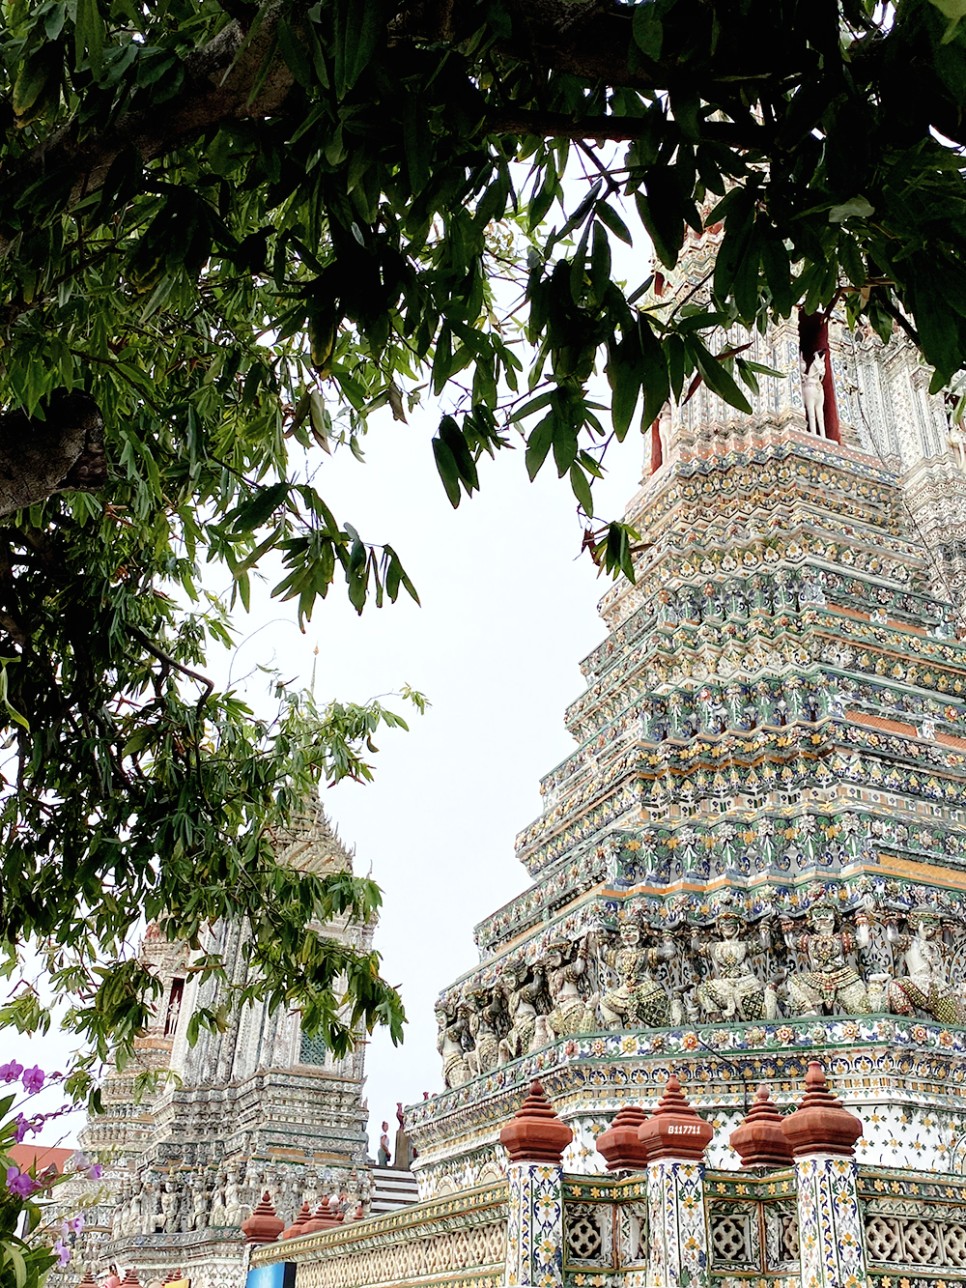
x=616 y=129
x=62 y=451
x=159 y=653
x=220 y=80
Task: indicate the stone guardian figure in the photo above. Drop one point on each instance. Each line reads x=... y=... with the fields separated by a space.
x=634 y=999
x=572 y=1013
x=732 y=990
x=830 y=982
x=926 y=986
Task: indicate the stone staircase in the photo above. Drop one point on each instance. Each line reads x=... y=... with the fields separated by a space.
x=392 y=1188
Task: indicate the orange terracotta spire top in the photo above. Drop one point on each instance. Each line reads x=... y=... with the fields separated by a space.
x=302 y=1218
x=535 y=1134
x=675 y=1129
x=621 y=1145
x=88 y=1281
x=323 y=1218
x=131 y=1280
x=264 y=1225
x=821 y=1124
x=759 y=1140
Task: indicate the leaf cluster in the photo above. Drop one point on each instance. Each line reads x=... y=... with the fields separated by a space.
x=242 y=236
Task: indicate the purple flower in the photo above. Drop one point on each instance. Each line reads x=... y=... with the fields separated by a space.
x=76 y=1223
x=20 y=1183
x=11 y=1072
x=95 y=1171
x=33 y=1079
x=63 y=1252
x=23 y=1126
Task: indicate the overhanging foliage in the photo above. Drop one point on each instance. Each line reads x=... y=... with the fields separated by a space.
x=234 y=230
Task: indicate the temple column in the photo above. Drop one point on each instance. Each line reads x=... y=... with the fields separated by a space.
x=676 y=1137
x=535 y=1140
x=822 y=1135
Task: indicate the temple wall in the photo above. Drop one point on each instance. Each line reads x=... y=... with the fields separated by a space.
x=457 y=1240
x=896 y=1226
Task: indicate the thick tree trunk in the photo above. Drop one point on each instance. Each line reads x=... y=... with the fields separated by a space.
x=61 y=452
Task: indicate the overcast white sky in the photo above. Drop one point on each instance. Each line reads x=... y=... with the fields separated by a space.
x=508 y=612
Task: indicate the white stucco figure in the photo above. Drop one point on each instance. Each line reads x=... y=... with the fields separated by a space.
x=813 y=392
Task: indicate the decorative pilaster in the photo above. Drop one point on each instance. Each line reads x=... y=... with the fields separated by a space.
x=676 y=1138
x=678 y=1235
x=534 y=1233
x=535 y=1140
x=829 y=1223
x=822 y=1134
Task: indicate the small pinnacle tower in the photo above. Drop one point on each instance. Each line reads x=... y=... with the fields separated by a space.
x=257 y=1111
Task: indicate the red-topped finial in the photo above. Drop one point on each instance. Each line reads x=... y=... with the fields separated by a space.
x=88 y=1281
x=759 y=1140
x=621 y=1145
x=174 y=1276
x=675 y=1129
x=323 y=1218
x=264 y=1225
x=131 y=1280
x=821 y=1124
x=535 y=1134
x=303 y=1216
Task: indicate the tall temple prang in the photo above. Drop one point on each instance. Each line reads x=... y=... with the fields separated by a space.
x=748 y=879
x=756 y=853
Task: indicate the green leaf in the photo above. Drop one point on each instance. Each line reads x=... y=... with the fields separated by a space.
x=745 y=286
x=538 y=444
x=955 y=11
x=359 y=27
x=718 y=379
x=581 y=490
x=612 y=220
x=447 y=470
x=659 y=218
x=29 y=85
x=655 y=374
x=648 y=30
x=624 y=374
x=564 y=445
x=580 y=216
x=778 y=273
x=252 y=514
x=599 y=263
x=140 y=739
x=854 y=208
x=17 y=1263
x=453 y=438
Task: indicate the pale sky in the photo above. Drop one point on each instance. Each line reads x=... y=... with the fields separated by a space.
x=508 y=612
